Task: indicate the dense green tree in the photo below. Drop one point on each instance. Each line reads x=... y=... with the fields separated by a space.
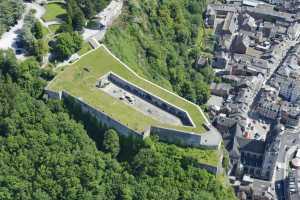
x=79 y=11
x=202 y=92
x=88 y=8
x=32 y=37
x=37 y=30
x=75 y=16
x=188 y=91
x=66 y=44
x=165 y=39
x=111 y=143
x=27 y=36
x=78 y=20
x=11 y=11
x=40 y=49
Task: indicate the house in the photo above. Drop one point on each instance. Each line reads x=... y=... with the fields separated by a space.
x=247 y=23
x=247 y=65
x=243 y=157
x=290 y=114
x=290 y=90
x=268 y=29
x=267 y=13
x=220 y=89
x=230 y=24
x=202 y=61
x=294 y=31
x=220 y=60
x=271 y=153
x=268 y=109
x=240 y=44
x=268 y=105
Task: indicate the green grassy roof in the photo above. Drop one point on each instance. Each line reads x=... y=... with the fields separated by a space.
x=81 y=83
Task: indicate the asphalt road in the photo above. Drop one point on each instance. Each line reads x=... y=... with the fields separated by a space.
x=289 y=142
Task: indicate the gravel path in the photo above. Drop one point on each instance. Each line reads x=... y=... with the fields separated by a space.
x=107 y=16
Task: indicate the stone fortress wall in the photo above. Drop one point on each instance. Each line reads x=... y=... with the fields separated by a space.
x=167 y=135
x=211 y=139
x=105 y=119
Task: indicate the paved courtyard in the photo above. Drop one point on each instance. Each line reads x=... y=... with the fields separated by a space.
x=141 y=105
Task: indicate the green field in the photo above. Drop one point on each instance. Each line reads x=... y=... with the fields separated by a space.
x=81 y=83
x=54 y=11
x=86 y=47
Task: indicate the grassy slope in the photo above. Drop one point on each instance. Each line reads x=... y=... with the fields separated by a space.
x=53 y=11
x=80 y=83
x=146 y=38
x=86 y=47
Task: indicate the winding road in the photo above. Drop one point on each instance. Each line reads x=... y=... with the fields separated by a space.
x=9 y=38
x=290 y=141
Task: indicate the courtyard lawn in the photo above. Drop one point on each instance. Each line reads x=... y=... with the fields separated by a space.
x=54 y=11
x=79 y=82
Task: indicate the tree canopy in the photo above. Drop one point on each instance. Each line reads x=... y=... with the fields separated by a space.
x=10 y=12
x=111 y=142
x=66 y=44
x=79 y=11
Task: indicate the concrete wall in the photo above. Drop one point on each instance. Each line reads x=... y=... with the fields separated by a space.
x=208 y=140
x=211 y=169
x=53 y=95
x=177 y=137
x=183 y=115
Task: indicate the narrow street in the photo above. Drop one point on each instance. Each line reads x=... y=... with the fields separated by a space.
x=290 y=141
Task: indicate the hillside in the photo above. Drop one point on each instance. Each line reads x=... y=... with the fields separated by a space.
x=162 y=40
x=45 y=154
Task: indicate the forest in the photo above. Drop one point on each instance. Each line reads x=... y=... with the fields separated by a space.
x=46 y=151
x=10 y=12
x=162 y=40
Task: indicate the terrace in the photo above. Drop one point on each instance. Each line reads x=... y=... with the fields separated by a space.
x=80 y=78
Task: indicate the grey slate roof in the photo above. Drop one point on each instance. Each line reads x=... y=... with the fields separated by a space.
x=255 y=146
